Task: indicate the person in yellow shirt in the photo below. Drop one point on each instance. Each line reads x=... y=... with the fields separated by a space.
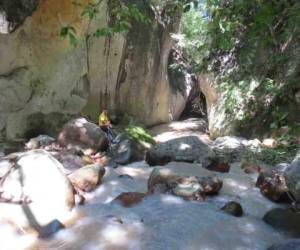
x=106 y=126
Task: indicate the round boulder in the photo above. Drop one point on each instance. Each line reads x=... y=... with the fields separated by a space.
x=233 y=208
x=80 y=133
x=87 y=177
x=285 y=220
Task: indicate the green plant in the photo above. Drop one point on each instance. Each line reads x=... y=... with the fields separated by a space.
x=122 y=17
x=139 y=135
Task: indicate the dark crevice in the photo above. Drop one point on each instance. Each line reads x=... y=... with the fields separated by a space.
x=16 y=11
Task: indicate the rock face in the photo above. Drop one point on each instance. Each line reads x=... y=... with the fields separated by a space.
x=292 y=177
x=44 y=78
x=80 y=133
x=185 y=149
x=40 y=180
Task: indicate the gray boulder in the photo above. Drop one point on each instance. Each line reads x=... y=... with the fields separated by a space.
x=82 y=134
x=229 y=148
x=185 y=149
x=292 y=177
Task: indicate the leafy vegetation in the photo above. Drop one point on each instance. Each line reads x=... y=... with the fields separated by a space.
x=139 y=135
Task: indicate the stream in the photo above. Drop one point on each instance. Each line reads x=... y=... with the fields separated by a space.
x=161 y=221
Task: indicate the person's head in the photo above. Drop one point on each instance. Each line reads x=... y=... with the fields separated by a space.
x=105 y=111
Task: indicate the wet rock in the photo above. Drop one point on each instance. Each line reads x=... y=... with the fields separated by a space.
x=184 y=149
x=293 y=244
x=285 y=220
x=79 y=133
x=88 y=177
x=129 y=199
x=188 y=187
x=219 y=166
x=292 y=177
x=39 y=142
x=250 y=168
x=211 y=184
x=230 y=148
x=272 y=185
x=233 y=208
x=50 y=229
x=39 y=183
x=124 y=153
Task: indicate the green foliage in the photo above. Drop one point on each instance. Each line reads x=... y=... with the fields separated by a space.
x=139 y=135
x=70 y=33
x=121 y=19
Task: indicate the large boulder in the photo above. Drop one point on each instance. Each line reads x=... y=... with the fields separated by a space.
x=292 y=177
x=229 y=148
x=171 y=180
x=37 y=183
x=184 y=149
x=80 y=133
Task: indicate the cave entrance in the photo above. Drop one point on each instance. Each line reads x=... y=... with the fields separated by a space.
x=195 y=106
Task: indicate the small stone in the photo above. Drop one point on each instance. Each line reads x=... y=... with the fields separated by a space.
x=269 y=143
x=233 y=208
x=222 y=167
x=250 y=168
x=50 y=229
x=129 y=199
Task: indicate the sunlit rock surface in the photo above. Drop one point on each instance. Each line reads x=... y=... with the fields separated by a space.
x=38 y=179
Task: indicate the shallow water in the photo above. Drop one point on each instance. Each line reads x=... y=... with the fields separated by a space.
x=162 y=221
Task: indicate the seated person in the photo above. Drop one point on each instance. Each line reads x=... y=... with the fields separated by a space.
x=106 y=126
